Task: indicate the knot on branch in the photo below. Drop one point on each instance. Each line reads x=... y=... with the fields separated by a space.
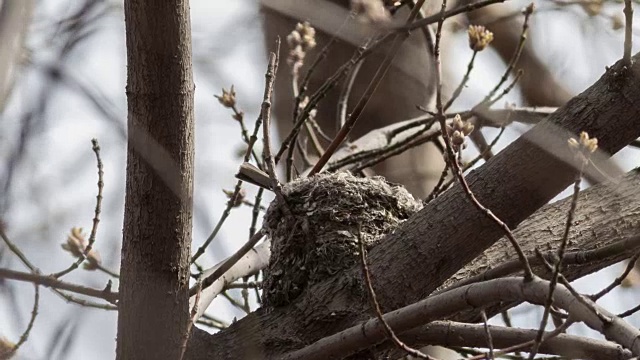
x=320 y=238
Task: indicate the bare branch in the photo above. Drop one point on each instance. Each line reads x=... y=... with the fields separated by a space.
x=464 y=298
x=96 y=217
x=250 y=263
x=447 y=234
x=449 y=333
x=49 y=281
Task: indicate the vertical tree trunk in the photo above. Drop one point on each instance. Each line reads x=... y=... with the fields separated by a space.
x=153 y=309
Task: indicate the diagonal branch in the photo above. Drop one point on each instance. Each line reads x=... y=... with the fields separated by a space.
x=450 y=333
x=465 y=298
x=447 y=234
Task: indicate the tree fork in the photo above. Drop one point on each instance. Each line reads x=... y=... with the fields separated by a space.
x=448 y=233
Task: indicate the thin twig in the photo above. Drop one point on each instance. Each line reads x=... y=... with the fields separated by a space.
x=508 y=89
x=14 y=249
x=343 y=100
x=366 y=96
x=376 y=152
x=245 y=285
x=319 y=130
x=579 y=297
x=234 y=197
x=575 y=258
x=239 y=117
x=96 y=217
x=359 y=108
x=558 y=265
x=225 y=214
x=451 y=158
x=266 y=117
x=313 y=137
x=438 y=188
x=618 y=281
x=361 y=53
x=465 y=79
x=523 y=346
x=83 y=302
x=485 y=153
x=396 y=149
x=240 y=306
x=488 y=334
x=256 y=212
x=107 y=271
x=319 y=58
x=298 y=92
x=321 y=93
x=192 y=317
x=447 y=14
x=516 y=55
x=629 y=312
x=376 y=306
x=628 y=28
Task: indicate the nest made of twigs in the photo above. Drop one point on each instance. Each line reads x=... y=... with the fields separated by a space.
x=320 y=238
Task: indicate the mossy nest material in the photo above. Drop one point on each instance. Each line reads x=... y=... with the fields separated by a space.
x=320 y=238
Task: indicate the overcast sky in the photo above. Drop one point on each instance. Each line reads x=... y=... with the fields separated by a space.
x=55 y=183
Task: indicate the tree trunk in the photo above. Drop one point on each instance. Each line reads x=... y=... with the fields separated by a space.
x=153 y=313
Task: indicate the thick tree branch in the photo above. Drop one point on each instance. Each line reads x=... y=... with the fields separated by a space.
x=448 y=233
x=443 y=237
x=450 y=333
x=605 y=232
x=606 y=214
x=474 y=296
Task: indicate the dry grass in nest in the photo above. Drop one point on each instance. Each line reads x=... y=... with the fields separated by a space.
x=320 y=239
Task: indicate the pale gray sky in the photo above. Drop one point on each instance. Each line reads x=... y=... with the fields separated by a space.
x=54 y=186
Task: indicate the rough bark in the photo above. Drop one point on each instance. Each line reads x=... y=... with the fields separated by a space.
x=593 y=224
x=605 y=231
x=452 y=334
x=153 y=309
x=473 y=296
x=435 y=243
x=449 y=232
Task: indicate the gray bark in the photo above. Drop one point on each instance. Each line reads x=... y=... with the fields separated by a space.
x=153 y=315
x=435 y=243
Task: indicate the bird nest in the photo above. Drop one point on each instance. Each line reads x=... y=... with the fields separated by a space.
x=320 y=237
